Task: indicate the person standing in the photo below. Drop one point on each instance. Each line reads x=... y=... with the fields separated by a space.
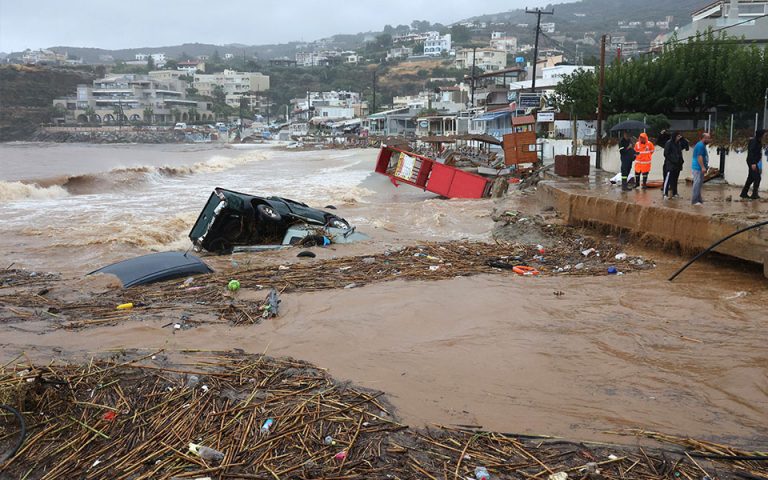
x=699 y=166
x=644 y=149
x=754 y=163
x=673 y=165
x=627 y=154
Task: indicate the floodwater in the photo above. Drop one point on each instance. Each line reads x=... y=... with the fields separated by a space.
x=503 y=353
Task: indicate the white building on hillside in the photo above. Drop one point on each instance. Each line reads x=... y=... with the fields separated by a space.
x=435 y=44
x=508 y=44
x=236 y=85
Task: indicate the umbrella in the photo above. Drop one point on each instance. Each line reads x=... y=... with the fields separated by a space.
x=630 y=125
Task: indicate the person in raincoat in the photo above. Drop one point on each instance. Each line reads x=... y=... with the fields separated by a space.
x=644 y=149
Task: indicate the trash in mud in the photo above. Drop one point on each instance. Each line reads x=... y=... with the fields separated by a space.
x=173 y=431
x=210 y=295
x=233 y=220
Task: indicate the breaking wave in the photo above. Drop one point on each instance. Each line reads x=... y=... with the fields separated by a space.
x=10 y=191
x=130 y=230
x=116 y=179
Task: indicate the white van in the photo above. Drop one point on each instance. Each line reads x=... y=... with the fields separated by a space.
x=180 y=126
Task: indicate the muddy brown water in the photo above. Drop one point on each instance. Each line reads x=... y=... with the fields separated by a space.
x=500 y=352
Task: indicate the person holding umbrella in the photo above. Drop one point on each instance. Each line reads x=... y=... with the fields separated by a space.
x=644 y=149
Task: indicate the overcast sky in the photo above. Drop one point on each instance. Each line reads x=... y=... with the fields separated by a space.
x=148 y=23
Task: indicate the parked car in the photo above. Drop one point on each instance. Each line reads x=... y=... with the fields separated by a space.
x=180 y=126
x=231 y=219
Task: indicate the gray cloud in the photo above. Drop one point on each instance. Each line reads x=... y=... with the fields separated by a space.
x=138 y=23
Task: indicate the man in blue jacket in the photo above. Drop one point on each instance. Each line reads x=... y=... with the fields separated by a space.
x=754 y=163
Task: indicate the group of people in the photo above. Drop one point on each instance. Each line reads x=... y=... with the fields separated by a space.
x=640 y=153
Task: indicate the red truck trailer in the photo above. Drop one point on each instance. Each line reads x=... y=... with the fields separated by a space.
x=404 y=167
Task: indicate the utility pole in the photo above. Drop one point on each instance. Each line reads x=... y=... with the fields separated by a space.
x=538 y=12
x=474 y=63
x=599 y=139
x=765 y=110
x=374 y=92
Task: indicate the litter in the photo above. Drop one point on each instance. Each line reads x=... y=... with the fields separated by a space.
x=306 y=254
x=266 y=426
x=125 y=306
x=558 y=476
x=206 y=453
x=588 y=252
x=481 y=473
x=233 y=285
x=621 y=257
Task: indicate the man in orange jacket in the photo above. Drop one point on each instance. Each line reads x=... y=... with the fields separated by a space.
x=644 y=149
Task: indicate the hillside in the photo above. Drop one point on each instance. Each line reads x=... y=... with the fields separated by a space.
x=27 y=93
x=573 y=19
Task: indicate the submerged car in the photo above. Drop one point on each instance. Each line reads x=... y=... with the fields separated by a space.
x=232 y=219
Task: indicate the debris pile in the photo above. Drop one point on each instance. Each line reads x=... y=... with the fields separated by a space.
x=211 y=294
x=254 y=417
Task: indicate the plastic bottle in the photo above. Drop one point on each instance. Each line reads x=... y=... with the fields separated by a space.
x=329 y=440
x=206 y=453
x=482 y=474
x=125 y=306
x=267 y=425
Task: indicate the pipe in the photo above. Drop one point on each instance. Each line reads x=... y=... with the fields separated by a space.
x=22 y=434
x=717 y=244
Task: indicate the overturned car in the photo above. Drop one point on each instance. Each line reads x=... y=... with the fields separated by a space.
x=231 y=219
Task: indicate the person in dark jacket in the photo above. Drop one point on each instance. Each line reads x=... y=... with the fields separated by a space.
x=627 y=153
x=754 y=162
x=673 y=164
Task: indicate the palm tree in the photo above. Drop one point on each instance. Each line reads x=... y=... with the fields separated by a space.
x=89 y=113
x=148 y=114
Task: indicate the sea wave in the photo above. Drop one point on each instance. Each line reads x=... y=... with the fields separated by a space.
x=10 y=191
x=115 y=179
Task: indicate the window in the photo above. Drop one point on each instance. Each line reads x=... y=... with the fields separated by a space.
x=751 y=10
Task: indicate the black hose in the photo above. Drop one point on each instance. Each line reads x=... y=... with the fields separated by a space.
x=22 y=435
x=697 y=257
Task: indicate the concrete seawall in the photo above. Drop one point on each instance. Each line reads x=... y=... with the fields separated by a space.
x=675 y=223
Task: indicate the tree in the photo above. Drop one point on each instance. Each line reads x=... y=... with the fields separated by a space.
x=460 y=34
x=90 y=113
x=148 y=114
x=171 y=65
x=150 y=63
x=192 y=112
x=218 y=94
x=577 y=94
x=746 y=80
x=384 y=41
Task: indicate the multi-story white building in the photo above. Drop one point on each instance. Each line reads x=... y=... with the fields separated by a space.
x=232 y=81
x=746 y=19
x=159 y=59
x=310 y=59
x=330 y=105
x=435 y=44
x=548 y=27
x=155 y=98
x=485 y=59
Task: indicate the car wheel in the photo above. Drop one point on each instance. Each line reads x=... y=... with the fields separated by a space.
x=336 y=222
x=269 y=213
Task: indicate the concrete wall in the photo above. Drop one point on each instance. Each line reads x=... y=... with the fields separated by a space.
x=735 y=162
